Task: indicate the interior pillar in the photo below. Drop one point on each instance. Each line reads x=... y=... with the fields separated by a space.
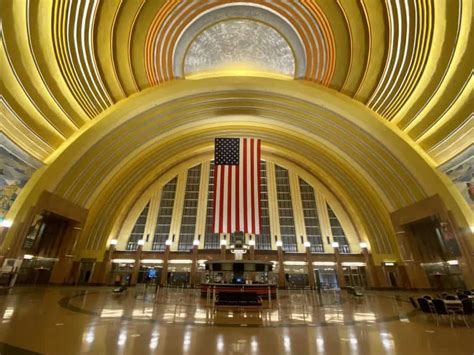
x=223 y=251
x=104 y=278
x=136 y=266
x=61 y=273
x=164 y=272
x=309 y=263
x=252 y=252
x=194 y=266
x=281 y=268
x=411 y=257
x=372 y=280
x=339 y=270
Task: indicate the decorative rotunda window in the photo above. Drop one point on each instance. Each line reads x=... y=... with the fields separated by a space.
x=311 y=220
x=338 y=232
x=263 y=240
x=191 y=200
x=240 y=46
x=138 y=229
x=285 y=210
x=165 y=214
x=211 y=239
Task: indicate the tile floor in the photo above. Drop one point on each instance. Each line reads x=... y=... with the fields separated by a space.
x=67 y=320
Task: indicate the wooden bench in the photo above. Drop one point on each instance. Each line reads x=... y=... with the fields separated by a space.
x=238 y=299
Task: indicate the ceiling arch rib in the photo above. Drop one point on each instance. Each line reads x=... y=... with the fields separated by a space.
x=406 y=60
x=151 y=129
x=74 y=61
x=100 y=228
x=171 y=116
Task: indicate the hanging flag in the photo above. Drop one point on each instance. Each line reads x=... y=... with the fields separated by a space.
x=237 y=185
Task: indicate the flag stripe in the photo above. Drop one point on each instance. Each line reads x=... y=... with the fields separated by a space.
x=241 y=186
x=237 y=186
x=221 y=198
x=248 y=205
x=237 y=199
x=244 y=207
x=229 y=198
x=258 y=188
x=214 y=219
x=234 y=198
x=252 y=185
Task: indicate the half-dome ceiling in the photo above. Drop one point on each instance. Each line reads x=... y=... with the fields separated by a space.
x=65 y=63
x=239 y=46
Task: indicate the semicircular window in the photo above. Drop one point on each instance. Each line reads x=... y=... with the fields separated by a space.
x=239 y=47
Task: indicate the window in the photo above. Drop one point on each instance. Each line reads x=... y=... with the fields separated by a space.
x=285 y=210
x=191 y=199
x=211 y=239
x=138 y=229
x=263 y=240
x=337 y=232
x=311 y=220
x=165 y=213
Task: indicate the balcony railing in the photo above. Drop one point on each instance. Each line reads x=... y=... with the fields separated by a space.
x=157 y=246
x=132 y=246
x=290 y=248
x=185 y=246
x=317 y=248
x=212 y=245
x=344 y=249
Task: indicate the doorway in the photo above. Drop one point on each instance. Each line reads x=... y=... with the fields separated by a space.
x=86 y=269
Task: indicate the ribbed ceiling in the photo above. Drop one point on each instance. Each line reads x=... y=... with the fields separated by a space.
x=64 y=62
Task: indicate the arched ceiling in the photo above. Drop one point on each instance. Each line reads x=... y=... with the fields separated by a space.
x=64 y=62
x=69 y=67
x=370 y=168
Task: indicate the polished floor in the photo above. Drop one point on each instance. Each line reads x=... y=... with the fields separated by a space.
x=95 y=321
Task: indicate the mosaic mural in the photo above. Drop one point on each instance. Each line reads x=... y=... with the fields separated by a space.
x=460 y=170
x=16 y=168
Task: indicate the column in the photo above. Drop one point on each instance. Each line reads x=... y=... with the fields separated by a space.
x=252 y=249
x=309 y=262
x=281 y=266
x=164 y=271
x=104 y=278
x=466 y=260
x=369 y=267
x=412 y=260
x=136 y=266
x=62 y=268
x=223 y=248
x=339 y=270
x=193 y=279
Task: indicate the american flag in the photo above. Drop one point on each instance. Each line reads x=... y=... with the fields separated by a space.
x=237 y=185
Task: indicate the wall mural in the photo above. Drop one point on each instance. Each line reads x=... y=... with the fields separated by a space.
x=16 y=168
x=460 y=170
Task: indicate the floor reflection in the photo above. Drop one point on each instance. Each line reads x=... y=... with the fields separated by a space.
x=177 y=321
x=291 y=308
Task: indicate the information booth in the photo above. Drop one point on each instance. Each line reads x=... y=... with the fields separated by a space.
x=246 y=276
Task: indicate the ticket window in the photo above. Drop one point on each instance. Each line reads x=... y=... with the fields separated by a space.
x=326 y=277
x=149 y=274
x=36 y=271
x=355 y=276
x=296 y=276
x=179 y=275
x=121 y=274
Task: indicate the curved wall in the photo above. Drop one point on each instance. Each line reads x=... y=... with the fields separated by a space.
x=352 y=150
